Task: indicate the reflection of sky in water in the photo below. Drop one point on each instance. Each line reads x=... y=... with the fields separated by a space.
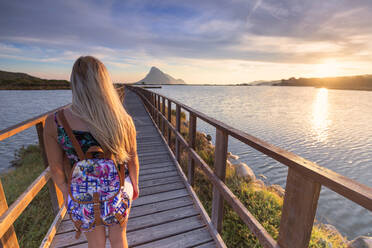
x=320 y=121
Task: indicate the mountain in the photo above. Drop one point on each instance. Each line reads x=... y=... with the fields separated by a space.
x=156 y=76
x=23 y=81
x=360 y=82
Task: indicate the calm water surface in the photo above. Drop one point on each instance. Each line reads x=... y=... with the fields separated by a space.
x=330 y=127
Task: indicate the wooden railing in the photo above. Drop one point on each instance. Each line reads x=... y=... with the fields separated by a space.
x=304 y=179
x=9 y=215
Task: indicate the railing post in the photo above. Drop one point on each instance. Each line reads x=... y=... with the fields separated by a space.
x=192 y=138
x=163 y=112
x=159 y=111
x=169 y=117
x=153 y=105
x=178 y=128
x=56 y=196
x=298 y=213
x=220 y=156
x=9 y=239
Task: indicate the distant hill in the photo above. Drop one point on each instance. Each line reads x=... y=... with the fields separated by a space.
x=156 y=76
x=23 y=81
x=362 y=82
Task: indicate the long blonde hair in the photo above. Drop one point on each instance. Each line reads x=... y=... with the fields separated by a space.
x=96 y=101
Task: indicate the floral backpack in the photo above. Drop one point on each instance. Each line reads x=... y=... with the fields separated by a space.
x=95 y=196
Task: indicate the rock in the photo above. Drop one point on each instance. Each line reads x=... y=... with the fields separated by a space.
x=262 y=175
x=209 y=137
x=277 y=189
x=259 y=184
x=361 y=242
x=235 y=157
x=243 y=170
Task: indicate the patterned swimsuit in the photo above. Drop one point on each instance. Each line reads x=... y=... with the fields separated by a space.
x=85 y=139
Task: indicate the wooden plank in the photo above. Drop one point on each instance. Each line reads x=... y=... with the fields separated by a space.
x=192 y=140
x=140 y=222
x=159 y=197
x=156 y=207
x=162 y=188
x=157 y=170
x=9 y=238
x=187 y=239
x=155 y=165
x=53 y=229
x=210 y=244
x=16 y=209
x=220 y=156
x=158 y=175
x=164 y=230
x=160 y=218
x=299 y=208
x=158 y=181
x=163 y=159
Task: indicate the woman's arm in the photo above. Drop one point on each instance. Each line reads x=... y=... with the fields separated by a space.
x=55 y=155
x=133 y=167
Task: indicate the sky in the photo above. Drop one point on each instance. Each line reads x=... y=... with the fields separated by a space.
x=200 y=41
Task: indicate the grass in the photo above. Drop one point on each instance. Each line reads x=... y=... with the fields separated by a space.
x=264 y=204
x=32 y=225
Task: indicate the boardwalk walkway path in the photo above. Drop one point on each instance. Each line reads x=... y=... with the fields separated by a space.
x=164 y=215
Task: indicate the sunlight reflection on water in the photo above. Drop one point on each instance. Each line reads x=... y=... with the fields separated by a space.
x=320 y=120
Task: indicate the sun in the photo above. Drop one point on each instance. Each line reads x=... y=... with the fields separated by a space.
x=330 y=68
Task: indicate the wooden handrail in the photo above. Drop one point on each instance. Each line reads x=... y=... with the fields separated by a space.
x=10 y=131
x=299 y=206
x=16 y=209
x=354 y=191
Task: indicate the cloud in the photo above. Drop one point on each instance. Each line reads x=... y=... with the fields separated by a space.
x=130 y=34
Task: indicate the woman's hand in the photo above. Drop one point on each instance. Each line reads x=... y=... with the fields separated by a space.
x=135 y=192
x=64 y=190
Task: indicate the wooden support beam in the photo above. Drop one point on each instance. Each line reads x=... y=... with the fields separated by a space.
x=169 y=114
x=220 y=156
x=163 y=112
x=9 y=239
x=55 y=194
x=178 y=128
x=158 y=119
x=300 y=203
x=191 y=141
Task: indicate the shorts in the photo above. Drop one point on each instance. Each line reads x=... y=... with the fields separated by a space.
x=127 y=190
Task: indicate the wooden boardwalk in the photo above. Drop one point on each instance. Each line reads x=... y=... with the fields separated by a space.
x=165 y=214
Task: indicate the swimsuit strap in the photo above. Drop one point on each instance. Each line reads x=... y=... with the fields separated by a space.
x=56 y=120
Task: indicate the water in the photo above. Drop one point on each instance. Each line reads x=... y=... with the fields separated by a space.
x=19 y=105
x=329 y=127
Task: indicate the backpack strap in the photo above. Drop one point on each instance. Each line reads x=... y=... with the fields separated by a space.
x=71 y=136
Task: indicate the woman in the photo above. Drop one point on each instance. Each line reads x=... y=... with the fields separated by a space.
x=97 y=117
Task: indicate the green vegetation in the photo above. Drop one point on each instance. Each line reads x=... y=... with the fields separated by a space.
x=264 y=204
x=22 y=81
x=34 y=222
x=363 y=82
